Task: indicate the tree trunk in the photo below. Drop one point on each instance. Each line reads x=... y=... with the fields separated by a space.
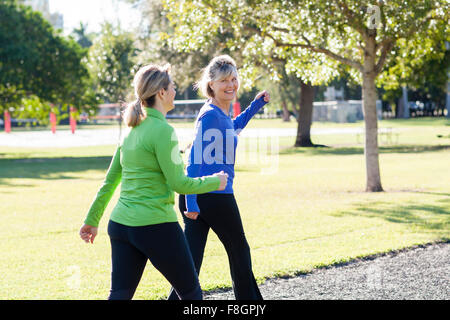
x=405 y=102
x=398 y=108
x=304 y=116
x=447 y=101
x=369 y=93
x=286 y=114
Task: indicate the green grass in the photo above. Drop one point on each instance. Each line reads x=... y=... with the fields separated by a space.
x=309 y=212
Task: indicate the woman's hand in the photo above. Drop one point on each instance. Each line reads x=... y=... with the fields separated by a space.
x=191 y=215
x=223 y=179
x=223 y=183
x=88 y=233
x=265 y=94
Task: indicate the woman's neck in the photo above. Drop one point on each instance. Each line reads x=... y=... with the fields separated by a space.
x=223 y=105
x=160 y=108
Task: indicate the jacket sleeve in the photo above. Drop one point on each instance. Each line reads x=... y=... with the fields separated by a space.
x=172 y=166
x=242 y=119
x=194 y=166
x=106 y=191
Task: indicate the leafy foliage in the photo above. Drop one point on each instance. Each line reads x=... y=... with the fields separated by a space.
x=314 y=37
x=111 y=63
x=37 y=63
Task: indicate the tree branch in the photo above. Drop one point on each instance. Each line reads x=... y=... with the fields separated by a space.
x=309 y=46
x=386 y=47
x=388 y=43
x=353 y=19
x=280 y=29
x=329 y=53
x=414 y=28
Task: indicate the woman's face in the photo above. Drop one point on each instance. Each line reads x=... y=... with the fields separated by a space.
x=226 y=88
x=169 y=97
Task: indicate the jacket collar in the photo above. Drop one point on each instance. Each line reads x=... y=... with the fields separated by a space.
x=151 y=112
x=217 y=108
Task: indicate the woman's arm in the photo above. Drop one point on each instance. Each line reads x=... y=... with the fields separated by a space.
x=112 y=180
x=242 y=119
x=194 y=168
x=172 y=166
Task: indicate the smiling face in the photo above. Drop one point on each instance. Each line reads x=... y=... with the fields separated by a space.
x=225 y=89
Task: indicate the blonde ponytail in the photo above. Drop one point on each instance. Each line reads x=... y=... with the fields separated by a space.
x=134 y=114
x=147 y=83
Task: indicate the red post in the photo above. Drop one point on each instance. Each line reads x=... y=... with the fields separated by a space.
x=236 y=108
x=53 y=121
x=73 y=122
x=7 y=122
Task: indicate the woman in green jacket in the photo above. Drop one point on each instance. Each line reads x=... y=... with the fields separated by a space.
x=143 y=224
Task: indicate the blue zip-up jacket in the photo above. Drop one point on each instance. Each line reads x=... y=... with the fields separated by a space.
x=214 y=146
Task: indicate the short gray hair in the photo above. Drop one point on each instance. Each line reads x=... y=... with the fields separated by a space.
x=218 y=68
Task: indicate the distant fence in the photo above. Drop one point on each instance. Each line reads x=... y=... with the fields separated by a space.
x=188 y=112
x=333 y=111
x=111 y=111
x=342 y=111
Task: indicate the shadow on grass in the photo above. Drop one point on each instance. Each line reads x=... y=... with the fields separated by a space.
x=49 y=168
x=58 y=168
x=421 y=121
x=437 y=194
x=430 y=218
x=16 y=155
x=360 y=150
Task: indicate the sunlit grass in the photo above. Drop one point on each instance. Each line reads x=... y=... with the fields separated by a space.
x=309 y=210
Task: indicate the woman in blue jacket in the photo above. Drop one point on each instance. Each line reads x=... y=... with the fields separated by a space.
x=213 y=150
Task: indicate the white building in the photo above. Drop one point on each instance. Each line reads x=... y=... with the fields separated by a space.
x=56 y=19
x=341 y=111
x=332 y=94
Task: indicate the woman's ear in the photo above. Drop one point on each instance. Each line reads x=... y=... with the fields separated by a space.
x=210 y=89
x=161 y=93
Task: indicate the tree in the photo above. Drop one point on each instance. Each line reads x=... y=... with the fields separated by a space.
x=426 y=77
x=37 y=63
x=314 y=36
x=111 y=63
x=188 y=64
x=81 y=37
x=301 y=93
x=154 y=47
x=284 y=94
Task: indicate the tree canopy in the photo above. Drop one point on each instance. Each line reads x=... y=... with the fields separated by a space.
x=37 y=62
x=314 y=37
x=112 y=63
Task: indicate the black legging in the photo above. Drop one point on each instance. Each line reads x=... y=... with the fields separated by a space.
x=166 y=248
x=221 y=213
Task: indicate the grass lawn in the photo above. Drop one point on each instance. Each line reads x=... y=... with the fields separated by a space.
x=309 y=211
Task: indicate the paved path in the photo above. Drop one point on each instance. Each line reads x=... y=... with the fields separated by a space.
x=422 y=273
x=91 y=137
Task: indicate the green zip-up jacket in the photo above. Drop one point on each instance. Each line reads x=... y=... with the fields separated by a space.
x=149 y=165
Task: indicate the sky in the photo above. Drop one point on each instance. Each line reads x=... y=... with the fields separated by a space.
x=94 y=12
